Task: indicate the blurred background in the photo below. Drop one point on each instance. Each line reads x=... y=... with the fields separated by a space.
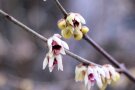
x=111 y=23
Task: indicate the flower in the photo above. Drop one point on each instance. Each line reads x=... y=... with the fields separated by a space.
x=75 y=20
x=56 y=48
x=61 y=24
x=84 y=29
x=80 y=72
x=72 y=26
x=102 y=75
x=90 y=77
x=114 y=76
x=110 y=75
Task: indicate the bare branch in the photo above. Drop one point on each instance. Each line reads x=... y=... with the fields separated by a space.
x=12 y=19
x=108 y=56
x=101 y=50
x=61 y=8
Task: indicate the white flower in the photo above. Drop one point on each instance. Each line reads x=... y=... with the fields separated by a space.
x=113 y=74
x=72 y=17
x=102 y=75
x=56 y=48
x=89 y=79
x=75 y=20
x=80 y=72
x=110 y=75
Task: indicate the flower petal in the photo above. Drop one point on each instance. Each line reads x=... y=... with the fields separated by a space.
x=97 y=77
x=80 y=72
x=112 y=71
x=65 y=45
x=58 y=40
x=70 y=18
x=45 y=62
x=86 y=79
x=59 y=60
x=51 y=68
x=107 y=74
x=57 y=35
x=77 y=19
x=49 y=43
x=117 y=77
x=104 y=86
x=81 y=19
x=62 y=51
x=89 y=85
x=66 y=33
x=51 y=60
x=90 y=70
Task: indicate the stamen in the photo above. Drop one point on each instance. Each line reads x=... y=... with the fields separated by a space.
x=76 y=23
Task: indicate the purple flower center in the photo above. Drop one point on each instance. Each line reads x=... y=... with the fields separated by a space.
x=55 y=62
x=91 y=77
x=56 y=48
x=76 y=23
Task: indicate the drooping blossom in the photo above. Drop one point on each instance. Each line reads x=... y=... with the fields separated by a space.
x=56 y=48
x=108 y=75
x=102 y=75
x=80 y=72
x=89 y=79
x=72 y=26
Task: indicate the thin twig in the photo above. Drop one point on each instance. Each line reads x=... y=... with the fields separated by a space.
x=22 y=25
x=108 y=56
x=61 y=8
x=101 y=50
x=32 y=32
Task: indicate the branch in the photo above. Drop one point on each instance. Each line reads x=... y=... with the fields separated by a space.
x=32 y=32
x=108 y=57
x=100 y=49
x=61 y=8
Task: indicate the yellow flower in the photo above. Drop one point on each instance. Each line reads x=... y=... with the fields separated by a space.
x=66 y=33
x=84 y=29
x=78 y=35
x=117 y=77
x=72 y=25
x=61 y=24
x=104 y=86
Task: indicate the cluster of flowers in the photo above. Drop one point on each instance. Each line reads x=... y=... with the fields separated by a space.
x=56 y=48
x=91 y=74
x=72 y=26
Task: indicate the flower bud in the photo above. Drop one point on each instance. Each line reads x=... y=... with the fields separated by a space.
x=117 y=77
x=78 y=35
x=66 y=33
x=84 y=29
x=61 y=24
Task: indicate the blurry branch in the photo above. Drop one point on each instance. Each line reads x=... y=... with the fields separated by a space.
x=61 y=8
x=12 y=19
x=100 y=49
x=32 y=32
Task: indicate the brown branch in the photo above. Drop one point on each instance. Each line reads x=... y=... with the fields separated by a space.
x=101 y=50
